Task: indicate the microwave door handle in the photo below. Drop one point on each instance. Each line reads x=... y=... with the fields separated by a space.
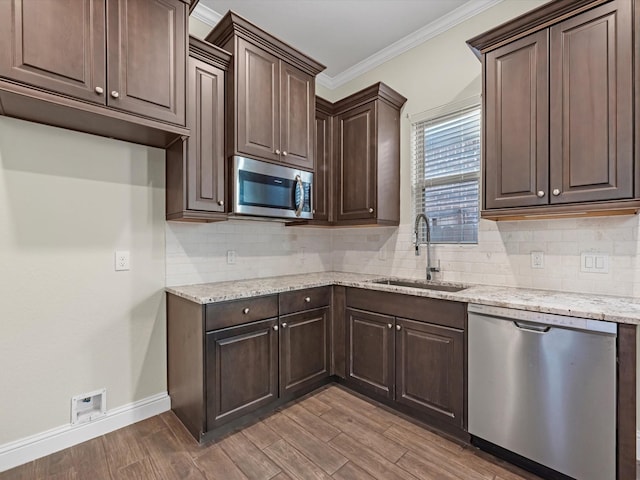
x=301 y=204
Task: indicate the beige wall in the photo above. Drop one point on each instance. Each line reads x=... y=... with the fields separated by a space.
x=69 y=323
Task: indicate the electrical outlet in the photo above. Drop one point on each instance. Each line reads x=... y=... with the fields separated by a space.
x=537 y=259
x=231 y=257
x=122 y=260
x=592 y=262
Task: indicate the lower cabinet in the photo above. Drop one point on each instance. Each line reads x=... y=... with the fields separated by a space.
x=416 y=363
x=242 y=370
x=230 y=361
x=304 y=350
x=370 y=351
x=429 y=369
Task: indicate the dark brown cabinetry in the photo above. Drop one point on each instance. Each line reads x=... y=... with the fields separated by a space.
x=272 y=99
x=409 y=351
x=322 y=180
x=230 y=360
x=196 y=169
x=558 y=103
x=367 y=156
x=370 y=351
x=429 y=368
x=87 y=65
x=241 y=369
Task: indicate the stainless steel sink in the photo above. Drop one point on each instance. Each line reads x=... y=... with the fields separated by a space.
x=421 y=285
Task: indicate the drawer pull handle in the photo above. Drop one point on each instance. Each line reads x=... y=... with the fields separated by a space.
x=275 y=327
x=246 y=310
x=307 y=299
x=284 y=325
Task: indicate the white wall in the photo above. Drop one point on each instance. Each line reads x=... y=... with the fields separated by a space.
x=69 y=323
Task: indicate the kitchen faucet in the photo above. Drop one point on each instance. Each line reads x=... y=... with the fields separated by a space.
x=430 y=269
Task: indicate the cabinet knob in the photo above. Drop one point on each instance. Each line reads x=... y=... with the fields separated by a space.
x=284 y=153
x=370 y=210
x=307 y=299
x=275 y=327
x=115 y=94
x=99 y=90
x=398 y=327
x=220 y=202
x=313 y=211
x=284 y=325
x=556 y=192
x=277 y=152
x=540 y=193
x=389 y=325
x=246 y=310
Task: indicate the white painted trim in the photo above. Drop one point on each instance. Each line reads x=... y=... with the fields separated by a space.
x=206 y=14
x=459 y=15
x=42 y=444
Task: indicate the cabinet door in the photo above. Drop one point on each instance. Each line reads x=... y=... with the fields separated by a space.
x=321 y=176
x=206 y=154
x=355 y=161
x=241 y=370
x=258 y=102
x=517 y=124
x=297 y=112
x=304 y=349
x=146 y=45
x=592 y=105
x=370 y=351
x=58 y=45
x=430 y=369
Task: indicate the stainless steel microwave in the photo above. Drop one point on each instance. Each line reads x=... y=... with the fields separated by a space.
x=267 y=190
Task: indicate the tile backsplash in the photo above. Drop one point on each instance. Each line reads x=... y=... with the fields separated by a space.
x=197 y=253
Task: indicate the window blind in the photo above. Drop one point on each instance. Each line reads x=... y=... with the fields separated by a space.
x=446 y=174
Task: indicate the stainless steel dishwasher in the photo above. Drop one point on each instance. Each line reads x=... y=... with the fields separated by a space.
x=544 y=387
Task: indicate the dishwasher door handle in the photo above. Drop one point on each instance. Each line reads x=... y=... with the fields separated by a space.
x=532 y=327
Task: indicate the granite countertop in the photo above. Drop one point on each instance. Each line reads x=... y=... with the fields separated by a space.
x=597 y=307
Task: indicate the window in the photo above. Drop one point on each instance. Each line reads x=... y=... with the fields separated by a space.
x=446 y=174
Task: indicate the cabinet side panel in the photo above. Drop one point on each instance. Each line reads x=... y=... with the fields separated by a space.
x=185 y=362
x=388 y=172
x=338 y=340
x=175 y=200
x=627 y=364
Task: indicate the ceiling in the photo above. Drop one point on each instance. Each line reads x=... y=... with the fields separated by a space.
x=348 y=36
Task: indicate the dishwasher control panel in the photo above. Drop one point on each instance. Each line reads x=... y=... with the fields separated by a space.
x=545 y=318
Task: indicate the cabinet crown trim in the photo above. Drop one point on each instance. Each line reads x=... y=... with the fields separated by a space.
x=233 y=24
x=377 y=91
x=209 y=53
x=529 y=22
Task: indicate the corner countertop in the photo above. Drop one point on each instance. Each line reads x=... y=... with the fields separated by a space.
x=595 y=307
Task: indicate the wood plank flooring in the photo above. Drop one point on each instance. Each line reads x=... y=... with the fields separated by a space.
x=332 y=434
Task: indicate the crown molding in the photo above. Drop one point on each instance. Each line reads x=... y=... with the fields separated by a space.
x=459 y=15
x=206 y=14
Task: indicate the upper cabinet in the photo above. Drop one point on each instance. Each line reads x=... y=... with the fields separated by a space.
x=196 y=168
x=358 y=143
x=271 y=96
x=558 y=99
x=87 y=64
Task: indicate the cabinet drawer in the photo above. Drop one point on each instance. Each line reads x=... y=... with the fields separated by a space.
x=306 y=299
x=237 y=312
x=431 y=310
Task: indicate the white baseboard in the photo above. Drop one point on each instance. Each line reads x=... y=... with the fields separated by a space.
x=42 y=444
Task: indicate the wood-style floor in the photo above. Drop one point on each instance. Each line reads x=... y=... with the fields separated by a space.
x=331 y=434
